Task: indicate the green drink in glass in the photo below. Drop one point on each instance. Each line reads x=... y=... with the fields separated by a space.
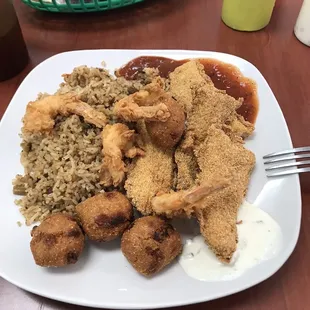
x=247 y=15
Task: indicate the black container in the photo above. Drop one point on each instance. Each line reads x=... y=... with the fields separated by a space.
x=13 y=51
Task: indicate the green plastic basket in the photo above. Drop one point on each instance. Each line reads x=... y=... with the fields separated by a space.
x=78 y=6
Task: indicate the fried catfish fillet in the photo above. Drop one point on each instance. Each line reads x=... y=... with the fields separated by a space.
x=219 y=155
x=205 y=105
x=150 y=174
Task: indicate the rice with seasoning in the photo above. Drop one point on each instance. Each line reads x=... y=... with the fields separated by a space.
x=62 y=168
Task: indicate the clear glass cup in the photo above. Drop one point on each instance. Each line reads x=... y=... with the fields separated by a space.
x=247 y=15
x=13 y=51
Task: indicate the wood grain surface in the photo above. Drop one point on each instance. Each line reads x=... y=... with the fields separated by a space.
x=196 y=25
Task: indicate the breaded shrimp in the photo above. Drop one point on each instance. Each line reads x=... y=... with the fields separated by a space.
x=148 y=104
x=118 y=141
x=164 y=117
x=40 y=114
x=174 y=203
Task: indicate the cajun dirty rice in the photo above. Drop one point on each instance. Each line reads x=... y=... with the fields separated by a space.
x=62 y=168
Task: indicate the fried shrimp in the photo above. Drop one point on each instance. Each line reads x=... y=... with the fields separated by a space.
x=40 y=114
x=118 y=141
x=174 y=203
x=148 y=104
x=130 y=111
x=164 y=117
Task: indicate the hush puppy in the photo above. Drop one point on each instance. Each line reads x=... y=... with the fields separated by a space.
x=150 y=244
x=167 y=134
x=105 y=216
x=57 y=241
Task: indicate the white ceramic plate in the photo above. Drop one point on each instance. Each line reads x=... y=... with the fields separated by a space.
x=103 y=277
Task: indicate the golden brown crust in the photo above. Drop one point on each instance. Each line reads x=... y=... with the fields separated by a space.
x=164 y=117
x=151 y=244
x=146 y=104
x=105 y=216
x=57 y=241
x=167 y=134
x=210 y=106
x=40 y=114
x=208 y=111
x=118 y=142
x=187 y=167
x=221 y=156
x=188 y=201
x=151 y=174
x=238 y=129
x=185 y=80
x=205 y=106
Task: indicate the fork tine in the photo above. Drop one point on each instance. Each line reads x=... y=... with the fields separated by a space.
x=287 y=158
x=290 y=151
x=287 y=172
x=298 y=163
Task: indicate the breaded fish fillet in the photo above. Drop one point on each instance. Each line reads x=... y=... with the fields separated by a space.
x=217 y=156
x=150 y=175
x=185 y=80
x=211 y=106
x=205 y=105
x=187 y=168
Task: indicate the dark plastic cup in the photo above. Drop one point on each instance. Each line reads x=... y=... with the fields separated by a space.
x=13 y=50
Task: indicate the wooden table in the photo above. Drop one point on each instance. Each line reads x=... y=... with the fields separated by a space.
x=196 y=25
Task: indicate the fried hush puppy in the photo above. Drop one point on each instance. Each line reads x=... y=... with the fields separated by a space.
x=164 y=117
x=58 y=241
x=151 y=244
x=105 y=216
x=167 y=134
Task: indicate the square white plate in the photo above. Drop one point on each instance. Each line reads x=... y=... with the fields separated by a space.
x=103 y=277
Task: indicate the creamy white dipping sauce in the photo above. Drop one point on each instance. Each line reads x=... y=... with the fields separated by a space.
x=260 y=239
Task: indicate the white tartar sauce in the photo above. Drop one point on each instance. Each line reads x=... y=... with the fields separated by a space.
x=260 y=239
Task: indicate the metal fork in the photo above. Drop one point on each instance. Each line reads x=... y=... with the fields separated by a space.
x=273 y=169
